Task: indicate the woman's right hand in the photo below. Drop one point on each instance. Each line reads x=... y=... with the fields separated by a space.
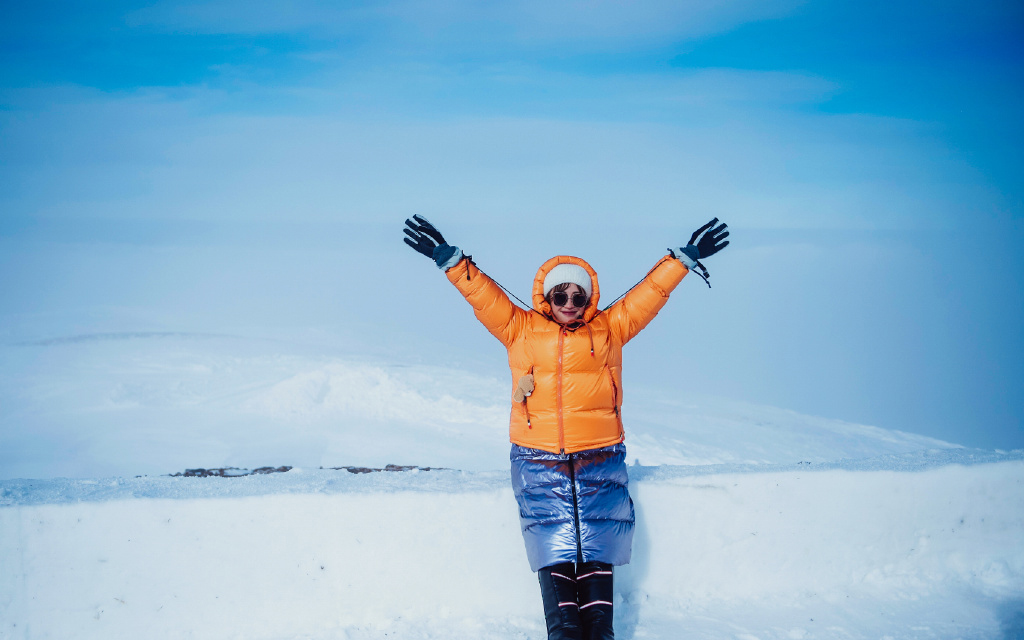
x=426 y=239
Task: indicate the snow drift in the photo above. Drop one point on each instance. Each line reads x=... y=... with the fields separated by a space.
x=753 y=521
x=924 y=545
x=123 y=404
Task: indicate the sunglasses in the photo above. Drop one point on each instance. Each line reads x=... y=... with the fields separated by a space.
x=560 y=298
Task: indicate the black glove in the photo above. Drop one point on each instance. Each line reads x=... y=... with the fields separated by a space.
x=425 y=238
x=422 y=236
x=709 y=244
x=712 y=241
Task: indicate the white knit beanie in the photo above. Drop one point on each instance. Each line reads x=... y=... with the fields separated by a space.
x=568 y=273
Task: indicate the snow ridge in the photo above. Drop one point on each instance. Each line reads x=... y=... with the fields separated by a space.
x=913 y=546
x=343 y=480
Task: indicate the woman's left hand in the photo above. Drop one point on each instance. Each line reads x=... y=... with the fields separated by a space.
x=712 y=241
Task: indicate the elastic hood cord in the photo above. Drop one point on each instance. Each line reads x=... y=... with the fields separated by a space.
x=526 y=307
x=529 y=307
x=626 y=292
x=703 y=276
x=577 y=322
x=697 y=263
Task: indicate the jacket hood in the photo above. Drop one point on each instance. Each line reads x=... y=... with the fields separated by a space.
x=541 y=305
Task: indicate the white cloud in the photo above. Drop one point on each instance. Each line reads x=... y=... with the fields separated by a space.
x=579 y=21
x=718 y=141
x=526 y=23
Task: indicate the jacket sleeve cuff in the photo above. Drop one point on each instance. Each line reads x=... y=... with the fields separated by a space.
x=447 y=256
x=688 y=255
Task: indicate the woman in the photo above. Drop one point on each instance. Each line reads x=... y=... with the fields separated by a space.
x=568 y=458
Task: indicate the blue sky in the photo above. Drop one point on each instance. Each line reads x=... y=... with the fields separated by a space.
x=867 y=155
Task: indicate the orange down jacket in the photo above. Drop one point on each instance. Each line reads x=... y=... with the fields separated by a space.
x=577 y=370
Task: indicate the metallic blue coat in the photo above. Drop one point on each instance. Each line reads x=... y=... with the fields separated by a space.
x=573 y=507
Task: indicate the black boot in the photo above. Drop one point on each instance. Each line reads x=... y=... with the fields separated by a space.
x=561 y=608
x=594 y=582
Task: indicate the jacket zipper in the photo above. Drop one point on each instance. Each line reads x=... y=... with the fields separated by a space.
x=558 y=393
x=575 y=509
x=561 y=447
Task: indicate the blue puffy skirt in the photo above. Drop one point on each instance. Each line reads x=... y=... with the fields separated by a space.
x=573 y=507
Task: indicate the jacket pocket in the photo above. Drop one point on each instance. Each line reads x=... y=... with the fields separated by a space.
x=615 y=389
x=526 y=400
x=615 y=401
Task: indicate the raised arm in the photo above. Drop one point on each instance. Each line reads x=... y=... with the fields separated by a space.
x=503 y=318
x=492 y=307
x=639 y=306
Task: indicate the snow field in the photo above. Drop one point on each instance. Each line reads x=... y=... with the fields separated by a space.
x=833 y=534
x=790 y=554
x=275 y=566
x=124 y=404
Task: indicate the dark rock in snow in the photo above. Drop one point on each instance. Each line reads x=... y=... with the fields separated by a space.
x=228 y=472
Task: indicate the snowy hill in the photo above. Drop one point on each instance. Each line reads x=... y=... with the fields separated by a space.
x=914 y=546
x=753 y=522
x=125 y=404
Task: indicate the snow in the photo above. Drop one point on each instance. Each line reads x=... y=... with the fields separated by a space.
x=815 y=551
x=129 y=403
x=752 y=522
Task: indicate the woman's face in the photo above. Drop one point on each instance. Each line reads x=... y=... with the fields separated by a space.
x=568 y=312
